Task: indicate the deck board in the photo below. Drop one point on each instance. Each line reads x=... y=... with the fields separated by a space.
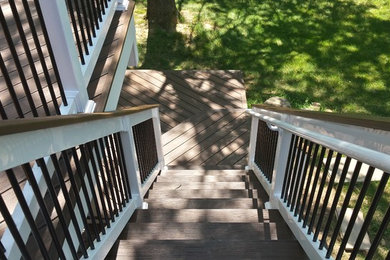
x=202 y=113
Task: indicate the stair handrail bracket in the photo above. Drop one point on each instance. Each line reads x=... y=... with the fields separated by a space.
x=303 y=159
x=84 y=139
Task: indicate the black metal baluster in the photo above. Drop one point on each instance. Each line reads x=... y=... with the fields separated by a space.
x=327 y=194
x=79 y=172
x=314 y=185
x=68 y=203
x=308 y=182
x=355 y=212
x=291 y=168
x=13 y=229
x=102 y=8
x=2 y=252
x=91 y=16
x=95 y=12
x=86 y=22
x=288 y=167
x=97 y=179
x=10 y=88
x=294 y=172
x=19 y=67
x=96 y=3
x=335 y=201
x=2 y=111
x=75 y=31
x=92 y=186
x=51 y=54
x=320 y=189
x=30 y=59
x=75 y=190
x=57 y=206
x=110 y=185
x=122 y=160
x=114 y=153
x=112 y=174
x=344 y=207
x=306 y=157
x=81 y=26
x=41 y=56
x=43 y=209
x=27 y=213
x=299 y=178
x=379 y=235
x=370 y=214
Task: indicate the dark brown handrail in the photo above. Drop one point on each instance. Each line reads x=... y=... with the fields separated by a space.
x=31 y=124
x=381 y=123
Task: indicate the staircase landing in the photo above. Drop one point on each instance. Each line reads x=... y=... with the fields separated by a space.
x=202 y=114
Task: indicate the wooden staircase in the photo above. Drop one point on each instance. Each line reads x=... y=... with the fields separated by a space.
x=206 y=214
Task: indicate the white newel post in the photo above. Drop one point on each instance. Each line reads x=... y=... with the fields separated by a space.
x=58 y=27
x=281 y=157
x=157 y=134
x=252 y=142
x=131 y=162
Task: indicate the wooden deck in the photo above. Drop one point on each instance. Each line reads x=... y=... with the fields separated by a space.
x=202 y=114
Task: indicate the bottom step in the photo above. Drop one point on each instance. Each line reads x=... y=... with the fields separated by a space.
x=214 y=249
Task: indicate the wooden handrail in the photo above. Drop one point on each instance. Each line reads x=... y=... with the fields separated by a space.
x=31 y=124
x=381 y=123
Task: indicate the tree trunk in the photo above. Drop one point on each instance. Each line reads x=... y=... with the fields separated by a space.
x=162 y=14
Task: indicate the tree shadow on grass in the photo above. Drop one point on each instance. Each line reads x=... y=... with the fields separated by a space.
x=333 y=52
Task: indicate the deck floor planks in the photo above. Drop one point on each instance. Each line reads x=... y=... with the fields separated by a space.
x=159 y=84
x=183 y=153
x=205 y=112
x=169 y=101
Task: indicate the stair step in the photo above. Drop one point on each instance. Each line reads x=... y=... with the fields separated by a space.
x=202 y=215
x=214 y=249
x=207 y=231
x=201 y=193
x=242 y=203
x=157 y=186
x=203 y=172
x=202 y=178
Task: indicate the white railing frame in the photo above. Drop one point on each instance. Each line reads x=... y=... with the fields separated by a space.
x=58 y=26
x=16 y=149
x=367 y=145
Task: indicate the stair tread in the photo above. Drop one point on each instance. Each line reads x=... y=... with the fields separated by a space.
x=207 y=231
x=214 y=249
x=203 y=193
x=216 y=203
x=204 y=215
x=202 y=178
x=203 y=172
x=198 y=185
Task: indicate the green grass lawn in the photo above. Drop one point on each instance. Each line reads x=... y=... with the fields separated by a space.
x=334 y=52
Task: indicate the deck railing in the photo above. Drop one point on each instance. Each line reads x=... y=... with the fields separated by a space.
x=325 y=170
x=31 y=85
x=76 y=181
x=49 y=50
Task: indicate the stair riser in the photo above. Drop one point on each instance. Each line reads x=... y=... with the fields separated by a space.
x=204 y=203
x=206 y=231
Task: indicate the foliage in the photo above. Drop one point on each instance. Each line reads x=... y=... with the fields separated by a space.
x=336 y=52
